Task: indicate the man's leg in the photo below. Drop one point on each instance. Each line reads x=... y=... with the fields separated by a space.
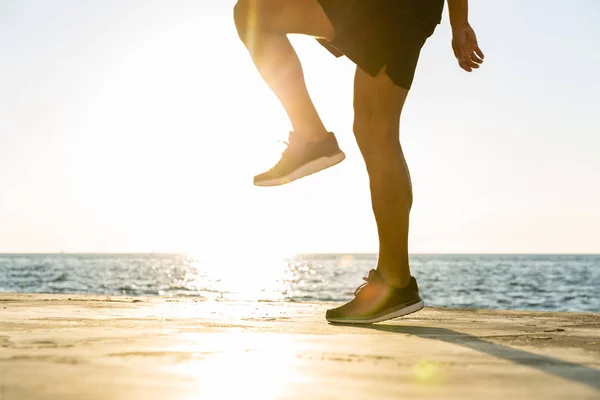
x=263 y=26
x=378 y=104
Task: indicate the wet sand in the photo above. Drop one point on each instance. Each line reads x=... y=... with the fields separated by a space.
x=96 y=347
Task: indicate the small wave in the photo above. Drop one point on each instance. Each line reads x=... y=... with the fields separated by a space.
x=313 y=298
x=26 y=275
x=179 y=288
x=31 y=267
x=192 y=290
x=195 y=296
x=61 y=278
x=131 y=290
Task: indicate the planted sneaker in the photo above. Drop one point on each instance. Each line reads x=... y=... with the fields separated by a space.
x=376 y=301
x=301 y=159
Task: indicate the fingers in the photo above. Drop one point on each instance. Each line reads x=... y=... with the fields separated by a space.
x=479 y=52
x=467 y=51
x=470 y=61
x=475 y=57
x=467 y=64
x=463 y=64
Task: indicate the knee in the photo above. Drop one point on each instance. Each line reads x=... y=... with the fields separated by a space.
x=254 y=17
x=361 y=130
x=375 y=138
x=241 y=16
x=363 y=120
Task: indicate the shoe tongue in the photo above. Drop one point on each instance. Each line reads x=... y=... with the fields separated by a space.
x=375 y=276
x=293 y=137
x=294 y=142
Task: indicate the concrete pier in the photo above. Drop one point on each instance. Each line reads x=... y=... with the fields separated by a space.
x=96 y=347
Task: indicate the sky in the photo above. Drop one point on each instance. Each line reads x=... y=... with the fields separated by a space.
x=137 y=126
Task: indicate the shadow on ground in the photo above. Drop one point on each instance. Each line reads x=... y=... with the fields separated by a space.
x=554 y=366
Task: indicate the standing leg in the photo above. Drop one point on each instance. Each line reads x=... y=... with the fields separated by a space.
x=263 y=26
x=390 y=291
x=378 y=104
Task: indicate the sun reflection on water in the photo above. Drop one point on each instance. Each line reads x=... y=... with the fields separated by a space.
x=245 y=276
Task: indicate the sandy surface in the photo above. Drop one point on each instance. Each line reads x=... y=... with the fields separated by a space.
x=83 y=347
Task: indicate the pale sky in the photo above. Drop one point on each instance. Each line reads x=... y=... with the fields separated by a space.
x=137 y=126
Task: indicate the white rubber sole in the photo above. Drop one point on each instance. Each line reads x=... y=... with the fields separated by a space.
x=305 y=170
x=395 y=314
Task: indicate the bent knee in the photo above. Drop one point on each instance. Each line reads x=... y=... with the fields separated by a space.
x=258 y=16
x=241 y=14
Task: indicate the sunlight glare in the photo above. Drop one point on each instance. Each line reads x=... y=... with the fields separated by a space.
x=249 y=366
x=245 y=275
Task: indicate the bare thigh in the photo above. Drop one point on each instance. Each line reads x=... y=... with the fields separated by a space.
x=378 y=103
x=283 y=16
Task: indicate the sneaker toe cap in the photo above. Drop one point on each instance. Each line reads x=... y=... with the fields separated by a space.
x=262 y=178
x=333 y=313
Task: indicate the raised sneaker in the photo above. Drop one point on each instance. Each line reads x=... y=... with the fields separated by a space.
x=302 y=158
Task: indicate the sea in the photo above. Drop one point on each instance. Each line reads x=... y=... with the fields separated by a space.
x=514 y=282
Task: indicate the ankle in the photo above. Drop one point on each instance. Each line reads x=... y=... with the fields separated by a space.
x=319 y=137
x=395 y=280
x=312 y=135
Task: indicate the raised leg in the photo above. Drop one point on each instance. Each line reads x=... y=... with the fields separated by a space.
x=263 y=26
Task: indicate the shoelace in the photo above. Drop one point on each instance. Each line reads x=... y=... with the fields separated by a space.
x=286 y=151
x=367 y=280
x=289 y=143
x=287 y=146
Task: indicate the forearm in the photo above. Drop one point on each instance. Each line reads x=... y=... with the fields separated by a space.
x=459 y=13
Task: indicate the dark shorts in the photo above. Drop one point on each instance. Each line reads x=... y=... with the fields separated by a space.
x=378 y=33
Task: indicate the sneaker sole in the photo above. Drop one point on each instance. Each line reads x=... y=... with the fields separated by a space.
x=307 y=169
x=391 y=315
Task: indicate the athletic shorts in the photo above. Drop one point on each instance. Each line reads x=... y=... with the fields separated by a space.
x=382 y=33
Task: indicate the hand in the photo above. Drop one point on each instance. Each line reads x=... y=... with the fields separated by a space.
x=467 y=52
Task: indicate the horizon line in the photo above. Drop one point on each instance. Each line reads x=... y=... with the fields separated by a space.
x=303 y=254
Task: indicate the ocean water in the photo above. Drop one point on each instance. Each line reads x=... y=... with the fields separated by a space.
x=532 y=282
